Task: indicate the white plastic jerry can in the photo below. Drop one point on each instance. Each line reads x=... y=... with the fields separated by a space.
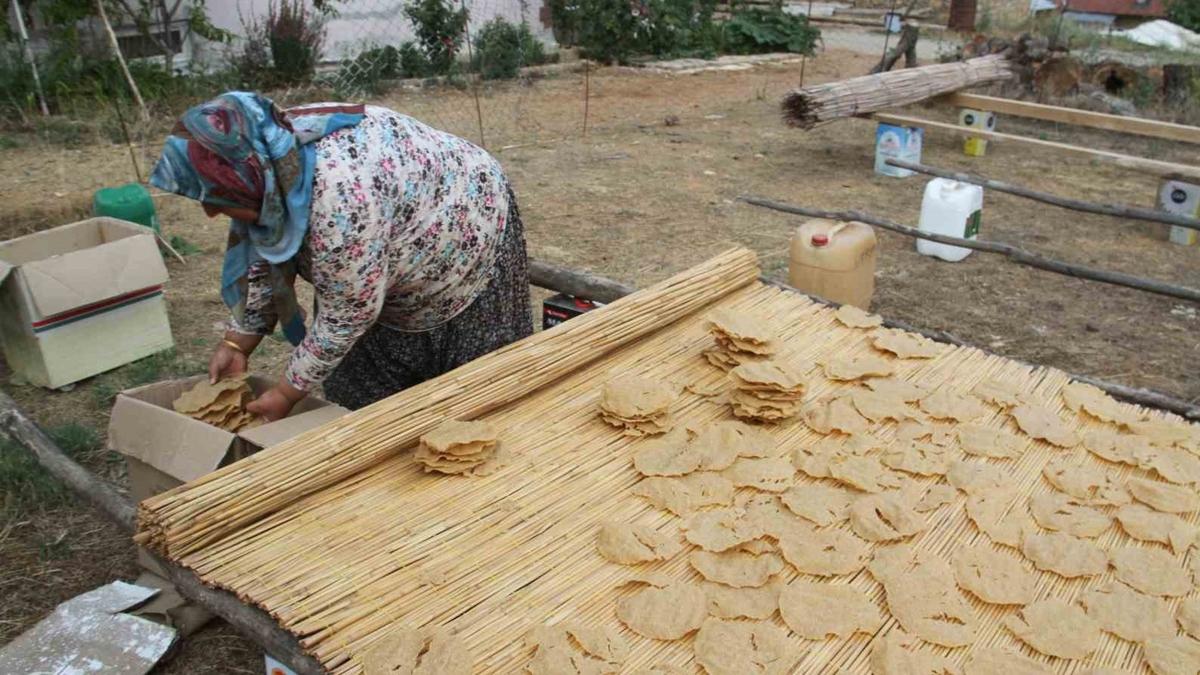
x=953 y=209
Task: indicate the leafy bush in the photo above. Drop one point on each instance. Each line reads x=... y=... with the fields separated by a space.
x=413 y=62
x=615 y=30
x=502 y=48
x=564 y=21
x=758 y=31
x=440 y=29
x=282 y=48
x=1186 y=13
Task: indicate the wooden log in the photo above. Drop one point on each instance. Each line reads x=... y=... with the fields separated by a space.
x=578 y=284
x=1116 y=210
x=1153 y=167
x=250 y=621
x=808 y=106
x=1013 y=253
x=22 y=430
x=1083 y=118
x=870 y=23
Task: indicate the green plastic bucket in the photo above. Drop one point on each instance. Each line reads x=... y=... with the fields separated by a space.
x=130 y=202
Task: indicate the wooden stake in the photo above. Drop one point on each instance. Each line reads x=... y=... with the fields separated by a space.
x=28 y=51
x=1015 y=254
x=1117 y=210
x=474 y=80
x=587 y=81
x=116 y=50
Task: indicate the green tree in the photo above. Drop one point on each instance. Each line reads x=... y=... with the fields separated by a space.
x=440 y=28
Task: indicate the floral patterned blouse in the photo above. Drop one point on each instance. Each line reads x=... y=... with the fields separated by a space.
x=404 y=228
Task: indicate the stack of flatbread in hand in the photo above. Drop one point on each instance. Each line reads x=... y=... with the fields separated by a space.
x=639 y=405
x=766 y=391
x=739 y=339
x=457 y=447
x=222 y=405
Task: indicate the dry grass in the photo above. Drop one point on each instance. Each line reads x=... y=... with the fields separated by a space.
x=638 y=200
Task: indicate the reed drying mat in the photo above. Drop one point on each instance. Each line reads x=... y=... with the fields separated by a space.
x=341 y=536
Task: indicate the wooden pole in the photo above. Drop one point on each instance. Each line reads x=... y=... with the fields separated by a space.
x=475 y=80
x=578 y=284
x=116 y=50
x=587 y=94
x=1117 y=210
x=1153 y=167
x=250 y=621
x=1013 y=253
x=23 y=36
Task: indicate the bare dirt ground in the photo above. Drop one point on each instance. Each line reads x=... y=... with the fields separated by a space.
x=638 y=199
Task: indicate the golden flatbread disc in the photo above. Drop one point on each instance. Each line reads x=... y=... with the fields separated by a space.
x=1086 y=484
x=850 y=368
x=1041 y=423
x=999 y=513
x=921 y=595
x=993 y=576
x=686 y=494
x=727 y=602
x=831 y=414
x=1176 y=655
x=1064 y=555
x=883 y=518
x=770 y=474
x=822 y=504
x=819 y=610
x=853 y=317
x=1146 y=524
x=667 y=613
x=896 y=654
x=1001 y=393
x=1128 y=614
x=668 y=455
x=1000 y=661
x=629 y=544
x=739 y=569
x=1152 y=571
x=908 y=392
x=945 y=404
x=737 y=648
x=1056 y=627
x=721 y=529
x=1055 y=511
x=906 y=345
x=824 y=553
x=632 y=396
x=1163 y=496
x=983 y=441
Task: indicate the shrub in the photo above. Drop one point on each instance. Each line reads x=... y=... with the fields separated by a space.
x=502 y=48
x=1186 y=13
x=440 y=29
x=413 y=62
x=758 y=31
x=282 y=48
x=367 y=71
x=564 y=18
x=615 y=30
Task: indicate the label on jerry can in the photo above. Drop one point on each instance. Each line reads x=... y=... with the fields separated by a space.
x=972 y=229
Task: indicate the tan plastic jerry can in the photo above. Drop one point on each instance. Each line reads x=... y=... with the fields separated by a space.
x=835 y=261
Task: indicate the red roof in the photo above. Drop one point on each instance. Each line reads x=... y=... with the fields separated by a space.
x=1152 y=8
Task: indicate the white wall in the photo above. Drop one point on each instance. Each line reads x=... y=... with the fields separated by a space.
x=373 y=22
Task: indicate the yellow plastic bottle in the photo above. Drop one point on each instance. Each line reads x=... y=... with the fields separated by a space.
x=835 y=261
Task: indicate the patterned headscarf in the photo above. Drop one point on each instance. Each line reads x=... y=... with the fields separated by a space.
x=239 y=149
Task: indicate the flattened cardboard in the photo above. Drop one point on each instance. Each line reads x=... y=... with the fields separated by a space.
x=169 y=608
x=90 y=634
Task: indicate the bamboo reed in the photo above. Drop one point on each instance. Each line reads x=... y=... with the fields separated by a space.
x=807 y=107
x=198 y=513
x=344 y=564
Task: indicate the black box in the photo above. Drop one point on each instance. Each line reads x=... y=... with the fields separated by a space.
x=558 y=308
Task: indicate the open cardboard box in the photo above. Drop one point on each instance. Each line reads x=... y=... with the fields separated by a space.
x=163 y=448
x=81 y=299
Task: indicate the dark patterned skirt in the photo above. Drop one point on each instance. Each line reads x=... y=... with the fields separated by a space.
x=385 y=360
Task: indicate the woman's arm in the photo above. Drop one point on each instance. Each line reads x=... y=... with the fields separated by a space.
x=232 y=355
x=349 y=270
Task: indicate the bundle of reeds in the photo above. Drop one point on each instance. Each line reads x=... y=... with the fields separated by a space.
x=806 y=107
x=188 y=517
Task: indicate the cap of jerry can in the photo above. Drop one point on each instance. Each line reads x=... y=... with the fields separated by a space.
x=820 y=240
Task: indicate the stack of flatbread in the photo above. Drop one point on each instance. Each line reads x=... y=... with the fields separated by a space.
x=638 y=405
x=222 y=405
x=767 y=391
x=739 y=339
x=457 y=447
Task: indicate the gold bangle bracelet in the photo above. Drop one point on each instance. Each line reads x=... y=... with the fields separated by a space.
x=234 y=346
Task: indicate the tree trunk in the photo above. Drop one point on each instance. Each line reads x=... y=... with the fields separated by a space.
x=1181 y=84
x=906 y=47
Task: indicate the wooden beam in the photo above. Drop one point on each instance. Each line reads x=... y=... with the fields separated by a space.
x=1115 y=210
x=1153 y=167
x=1084 y=118
x=1011 y=252
x=578 y=284
x=250 y=621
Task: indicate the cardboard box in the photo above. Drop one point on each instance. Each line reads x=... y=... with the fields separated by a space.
x=81 y=299
x=163 y=448
x=895 y=142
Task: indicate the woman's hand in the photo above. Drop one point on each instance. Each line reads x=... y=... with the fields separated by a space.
x=276 y=402
x=231 y=361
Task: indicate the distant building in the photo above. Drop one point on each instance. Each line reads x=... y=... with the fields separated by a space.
x=1115 y=13
x=359 y=24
